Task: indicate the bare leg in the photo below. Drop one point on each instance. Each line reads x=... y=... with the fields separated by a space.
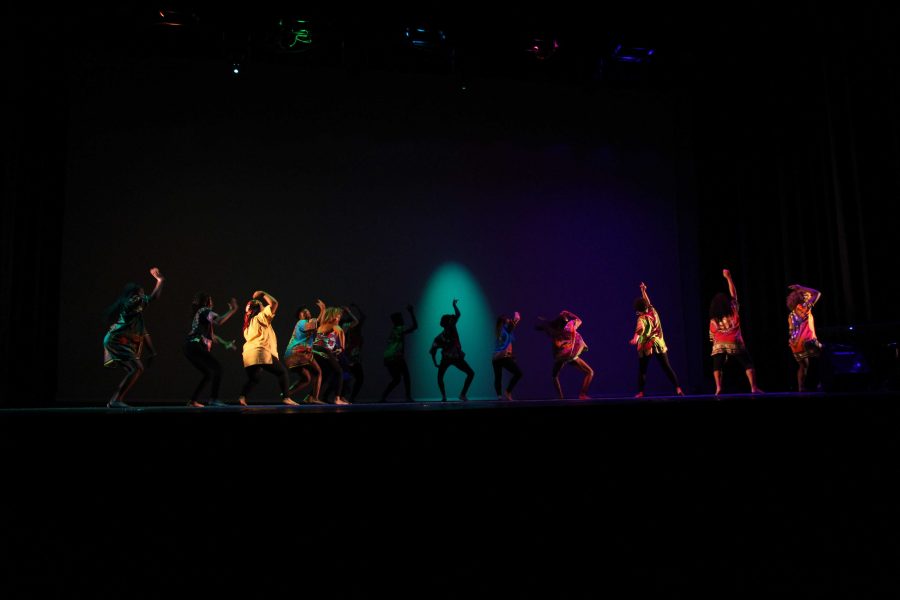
x=133 y=370
x=717 y=375
x=751 y=377
x=557 y=367
x=588 y=377
x=802 y=369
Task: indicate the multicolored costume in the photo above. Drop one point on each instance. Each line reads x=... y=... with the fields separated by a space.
x=802 y=329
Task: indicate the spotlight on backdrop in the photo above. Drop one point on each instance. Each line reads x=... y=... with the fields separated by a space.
x=476 y=333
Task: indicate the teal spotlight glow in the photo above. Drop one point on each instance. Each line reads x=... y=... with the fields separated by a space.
x=476 y=333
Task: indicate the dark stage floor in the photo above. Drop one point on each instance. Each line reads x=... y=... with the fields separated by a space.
x=544 y=498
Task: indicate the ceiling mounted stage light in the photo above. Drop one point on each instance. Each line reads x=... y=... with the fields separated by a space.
x=293 y=35
x=543 y=47
x=173 y=15
x=425 y=37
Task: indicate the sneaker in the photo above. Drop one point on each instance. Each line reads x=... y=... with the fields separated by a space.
x=117 y=404
x=218 y=402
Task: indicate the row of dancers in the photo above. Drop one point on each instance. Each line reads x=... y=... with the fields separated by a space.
x=326 y=348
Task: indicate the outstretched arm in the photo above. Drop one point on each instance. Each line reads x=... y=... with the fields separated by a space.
x=157 y=289
x=814 y=294
x=412 y=315
x=232 y=308
x=270 y=299
x=229 y=344
x=456 y=309
x=731 y=289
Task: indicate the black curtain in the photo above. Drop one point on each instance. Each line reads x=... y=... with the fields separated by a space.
x=797 y=154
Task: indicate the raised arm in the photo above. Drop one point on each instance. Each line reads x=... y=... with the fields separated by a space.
x=270 y=299
x=731 y=289
x=814 y=295
x=232 y=308
x=157 y=289
x=456 y=309
x=515 y=320
x=412 y=316
x=644 y=294
x=354 y=322
x=571 y=318
x=360 y=315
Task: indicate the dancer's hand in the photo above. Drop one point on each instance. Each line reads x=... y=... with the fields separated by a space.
x=643 y=286
x=156 y=274
x=726 y=273
x=232 y=304
x=229 y=345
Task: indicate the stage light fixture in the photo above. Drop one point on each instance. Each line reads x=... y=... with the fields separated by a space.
x=424 y=37
x=293 y=35
x=543 y=47
x=175 y=16
x=632 y=54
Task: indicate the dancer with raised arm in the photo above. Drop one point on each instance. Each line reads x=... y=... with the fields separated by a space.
x=452 y=355
x=351 y=358
x=327 y=347
x=395 y=354
x=726 y=337
x=127 y=343
x=503 y=357
x=298 y=357
x=648 y=339
x=199 y=343
x=261 y=346
x=802 y=329
x=568 y=345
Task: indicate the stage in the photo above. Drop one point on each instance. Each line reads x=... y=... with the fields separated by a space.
x=539 y=498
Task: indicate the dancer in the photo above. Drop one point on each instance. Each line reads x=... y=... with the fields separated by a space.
x=127 y=338
x=327 y=346
x=503 y=357
x=725 y=333
x=199 y=342
x=568 y=345
x=648 y=338
x=802 y=329
x=351 y=358
x=261 y=346
x=298 y=357
x=394 y=354
x=452 y=354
